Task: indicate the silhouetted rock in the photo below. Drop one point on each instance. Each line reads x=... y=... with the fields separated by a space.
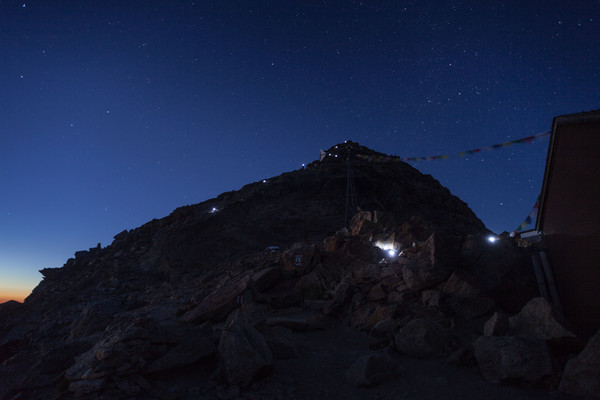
x=581 y=376
x=373 y=369
x=497 y=325
x=217 y=305
x=267 y=278
x=192 y=345
x=539 y=319
x=423 y=338
x=382 y=334
x=433 y=264
x=509 y=357
x=244 y=353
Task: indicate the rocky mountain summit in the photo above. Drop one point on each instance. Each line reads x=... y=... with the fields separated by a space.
x=264 y=293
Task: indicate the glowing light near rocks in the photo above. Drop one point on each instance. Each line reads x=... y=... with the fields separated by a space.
x=492 y=239
x=389 y=248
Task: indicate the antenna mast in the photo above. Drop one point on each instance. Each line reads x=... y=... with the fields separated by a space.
x=351 y=201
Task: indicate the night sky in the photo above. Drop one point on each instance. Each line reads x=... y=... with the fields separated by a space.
x=113 y=113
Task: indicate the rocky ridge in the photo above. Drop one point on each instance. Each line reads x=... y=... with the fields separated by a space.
x=221 y=299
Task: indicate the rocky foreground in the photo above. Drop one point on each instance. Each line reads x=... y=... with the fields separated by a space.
x=410 y=302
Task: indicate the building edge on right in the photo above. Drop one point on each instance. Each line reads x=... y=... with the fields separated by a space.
x=568 y=217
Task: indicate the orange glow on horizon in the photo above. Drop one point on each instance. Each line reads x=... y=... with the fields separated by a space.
x=13 y=294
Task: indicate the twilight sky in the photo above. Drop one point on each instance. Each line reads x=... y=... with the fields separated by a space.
x=113 y=113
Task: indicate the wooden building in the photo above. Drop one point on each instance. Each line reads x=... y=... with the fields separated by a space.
x=569 y=217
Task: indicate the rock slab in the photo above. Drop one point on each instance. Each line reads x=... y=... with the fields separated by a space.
x=244 y=354
x=506 y=357
x=422 y=338
x=581 y=376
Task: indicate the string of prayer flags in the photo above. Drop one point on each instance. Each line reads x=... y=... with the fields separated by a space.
x=532 y=214
x=527 y=139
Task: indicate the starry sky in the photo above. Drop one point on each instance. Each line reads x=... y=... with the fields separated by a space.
x=114 y=113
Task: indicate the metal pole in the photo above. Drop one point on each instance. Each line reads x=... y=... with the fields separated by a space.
x=550 y=279
x=539 y=275
x=347 y=192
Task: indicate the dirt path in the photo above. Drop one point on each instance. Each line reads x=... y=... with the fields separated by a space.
x=319 y=373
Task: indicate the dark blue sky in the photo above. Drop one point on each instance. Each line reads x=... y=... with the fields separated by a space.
x=113 y=113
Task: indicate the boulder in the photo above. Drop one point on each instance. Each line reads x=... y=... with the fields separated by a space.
x=333 y=243
x=244 y=354
x=62 y=357
x=509 y=357
x=411 y=231
x=310 y=287
x=367 y=273
x=391 y=270
x=377 y=293
x=538 y=319
x=266 y=278
x=422 y=338
x=431 y=297
x=432 y=264
x=217 y=305
x=581 y=375
x=94 y=318
x=194 y=346
x=461 y=284
x=382 y=334
x=341 y=296
x=282 y=295
x=373 y=369
x=471 y=307
x=399 y=297
x=497 y=325
x=300 y=256
x=358 y=247
x=463 y=356
x=360 y=316
x=380 y=313
x=362 y=223
x=251 y=313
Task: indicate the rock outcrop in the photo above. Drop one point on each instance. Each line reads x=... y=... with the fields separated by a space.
x=213 y=300
x=582 y=373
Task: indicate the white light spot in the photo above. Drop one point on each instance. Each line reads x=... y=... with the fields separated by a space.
x=492 y=239
x=391 y=253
